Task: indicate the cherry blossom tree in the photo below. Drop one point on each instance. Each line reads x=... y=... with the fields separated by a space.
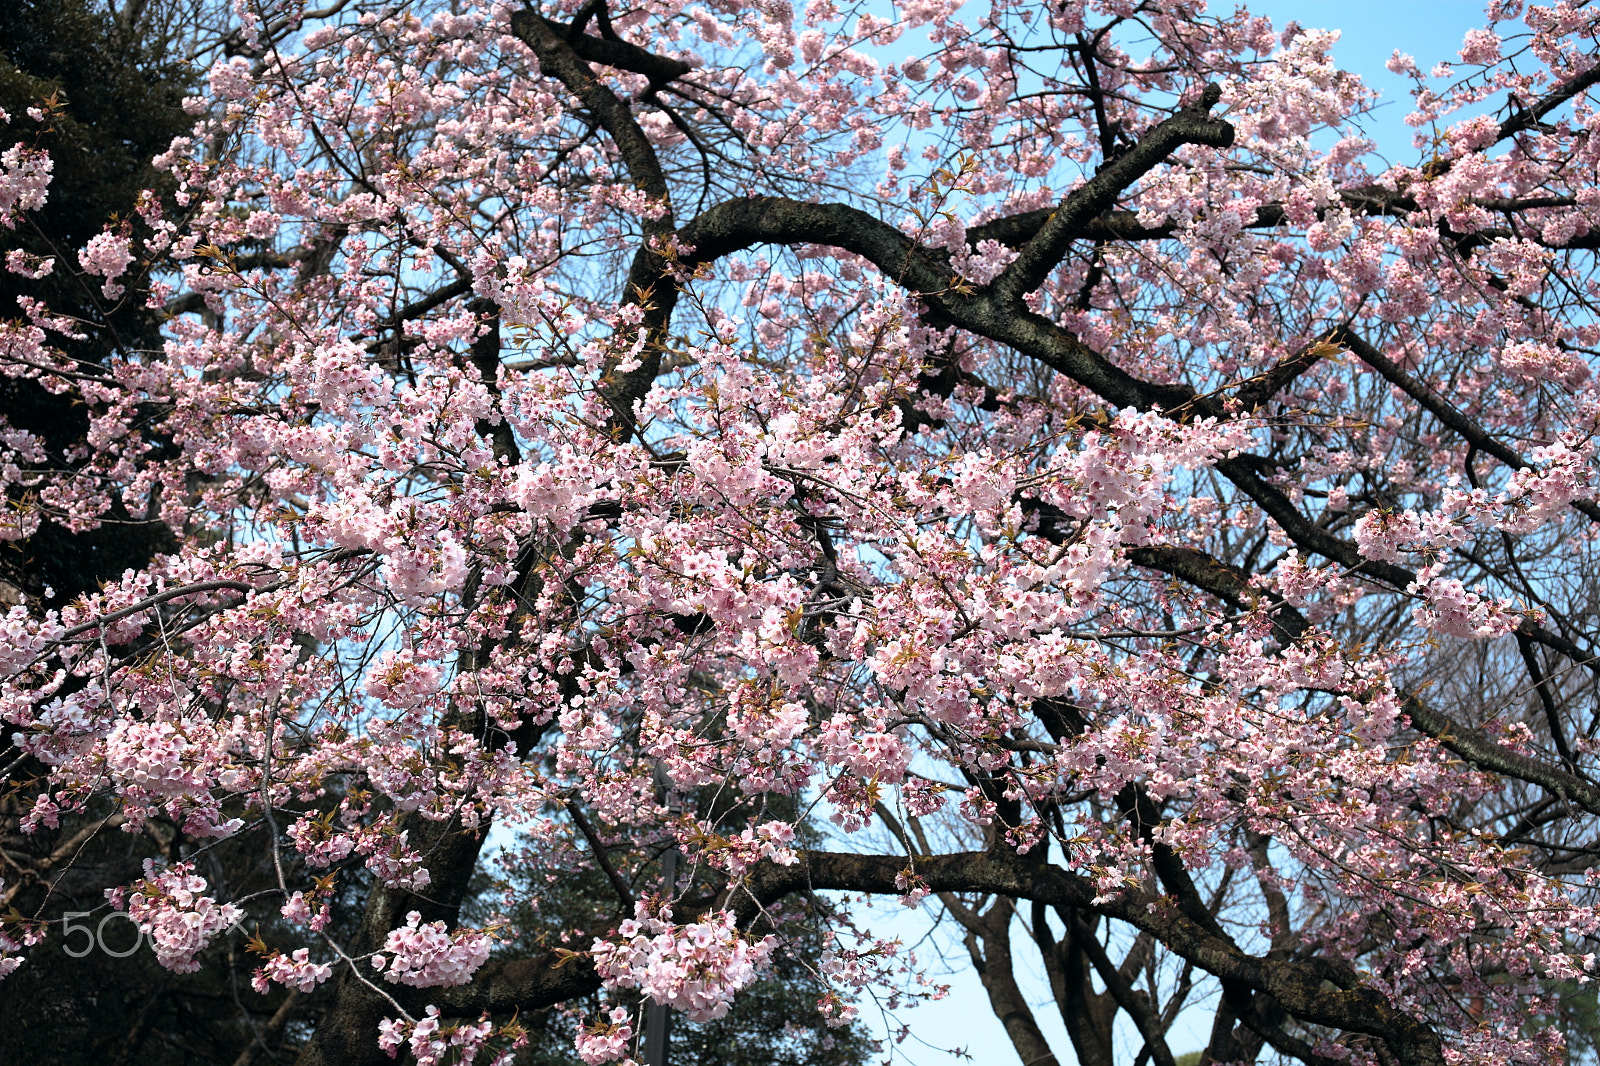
x=1042 y=442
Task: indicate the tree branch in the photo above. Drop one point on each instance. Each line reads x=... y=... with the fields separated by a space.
x=650 y=284
x=996 y=970
x=1191 y=125
x=1440 y=408
x=1297 y=986
x=1480 y=750
x=615 y=52
x=1528 y=118
x=1137 y=1005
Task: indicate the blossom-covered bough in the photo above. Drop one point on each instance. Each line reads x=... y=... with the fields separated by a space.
x=1038 y=441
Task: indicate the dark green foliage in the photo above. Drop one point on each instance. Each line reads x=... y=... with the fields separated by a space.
x=117 y=104
x=774 y=1022
x=113 y=103
x=120 y=105
x=76 y=1003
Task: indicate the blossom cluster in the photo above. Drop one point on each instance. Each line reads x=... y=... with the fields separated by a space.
x=169 y=906
x=424 y=955
x=606 y=1040
x=25 y=175
x=696 y=968
x=433 y=1042
x=294 y=970
x=107 y=255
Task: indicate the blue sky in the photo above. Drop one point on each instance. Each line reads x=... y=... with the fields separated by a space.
x=1430 y=30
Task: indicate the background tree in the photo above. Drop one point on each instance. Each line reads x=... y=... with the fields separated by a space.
x=1158 y=538
x=113 y=102
x=108 y=102
x=109 y=85
x=545 y=894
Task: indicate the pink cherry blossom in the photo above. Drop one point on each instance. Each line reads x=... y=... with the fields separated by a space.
x=606 y=1040
x=107 y=255
x=696 y=968
x=24 y=181
x=168 y=907
x=295 y=970
x=1042 y=464
x=426 y=956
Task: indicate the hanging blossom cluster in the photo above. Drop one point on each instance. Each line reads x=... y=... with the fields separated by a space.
x=107 y=255
x=607 y=1039
x=425 y=955
x=433 y=1042
x=169 y=906
x=25 y=175
x=696 y=968
x=294 y=970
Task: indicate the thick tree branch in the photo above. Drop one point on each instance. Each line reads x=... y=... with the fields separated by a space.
x=505 y=986
x=1528 y=118
x=597 y=848
x=1480 y=750
x=1541 y=685
x=734 y=225
x=1298 y=987
x=1191 y=125
x=1015 y=231
x=560 y=59
x=1440 y=408
x=1261 y=1021
x=1254 y=393
x=650 y=284
x=1228 y=583
x=420 y=306
x=615 y=52
x=739 y=224
x=485 y=354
